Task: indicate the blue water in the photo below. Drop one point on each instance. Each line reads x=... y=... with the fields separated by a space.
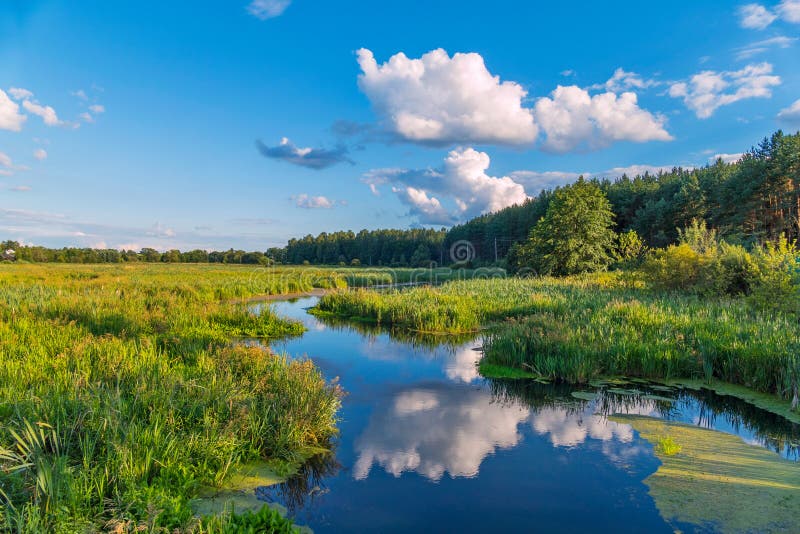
x=426 y=444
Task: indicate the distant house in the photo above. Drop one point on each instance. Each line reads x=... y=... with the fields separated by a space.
x=9 y=255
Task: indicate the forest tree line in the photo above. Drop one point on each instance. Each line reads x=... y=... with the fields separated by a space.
x=752 y=201
x=748 y=202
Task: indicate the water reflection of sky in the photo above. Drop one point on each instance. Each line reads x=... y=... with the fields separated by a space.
x=436 y=429
x=427 y=444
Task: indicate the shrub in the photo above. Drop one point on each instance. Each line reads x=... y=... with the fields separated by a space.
x=630 y=247
x=677 y=267
x=728 y=270
x=777 y=281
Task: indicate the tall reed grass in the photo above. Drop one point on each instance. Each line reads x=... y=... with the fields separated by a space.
x=122 y=394
x=578 y=328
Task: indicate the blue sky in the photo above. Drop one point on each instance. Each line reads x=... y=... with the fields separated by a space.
x=235 y=124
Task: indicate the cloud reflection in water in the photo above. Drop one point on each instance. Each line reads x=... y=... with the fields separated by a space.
x=436 y=430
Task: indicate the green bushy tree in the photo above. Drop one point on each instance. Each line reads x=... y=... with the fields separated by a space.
x=575 y=235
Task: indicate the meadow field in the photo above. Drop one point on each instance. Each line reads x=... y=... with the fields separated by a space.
x=123 y=394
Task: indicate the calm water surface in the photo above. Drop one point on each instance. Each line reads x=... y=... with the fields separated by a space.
x=426 y=444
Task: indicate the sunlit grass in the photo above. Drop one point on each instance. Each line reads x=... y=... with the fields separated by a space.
x=122 y=394
x=579 y=328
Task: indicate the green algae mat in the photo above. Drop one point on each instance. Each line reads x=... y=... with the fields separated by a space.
x=238 y=493
x=718 y=481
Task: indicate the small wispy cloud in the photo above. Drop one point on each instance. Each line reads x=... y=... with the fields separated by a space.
x=8 y=167
x=313 y=202
x=758 y=47
x=623 y=80
x=267 y=9
x=46 y=113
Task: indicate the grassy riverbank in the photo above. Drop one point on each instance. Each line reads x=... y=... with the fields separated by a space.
x=579 y=328
x=122 y=395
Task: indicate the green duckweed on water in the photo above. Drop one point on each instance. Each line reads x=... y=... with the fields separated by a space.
x=238 y=492
x=717 y=481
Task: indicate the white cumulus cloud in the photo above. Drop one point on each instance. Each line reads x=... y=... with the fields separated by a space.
x=40 y=154
x=10 y=117
x=462 y=181
x=439 y=99
x=426 y=208
x=709 y=90
x=573 y=118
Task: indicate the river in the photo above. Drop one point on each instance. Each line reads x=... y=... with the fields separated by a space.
x=427 y=444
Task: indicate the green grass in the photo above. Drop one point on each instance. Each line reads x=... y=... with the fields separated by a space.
x=460 y=306
x=122 y=393
x=579 y=328
x=491 y=370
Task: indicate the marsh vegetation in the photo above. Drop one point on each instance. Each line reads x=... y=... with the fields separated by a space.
x=122 y=395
